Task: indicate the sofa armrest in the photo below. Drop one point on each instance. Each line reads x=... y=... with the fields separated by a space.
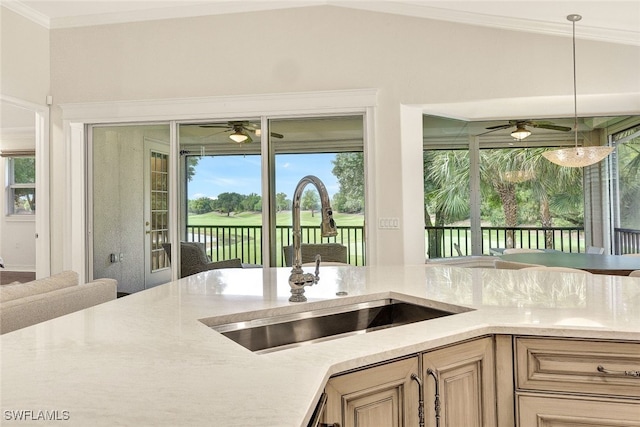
x=33 y=309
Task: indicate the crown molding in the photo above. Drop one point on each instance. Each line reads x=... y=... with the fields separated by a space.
x=404 y=8
x=26 y=12
x=494 y=21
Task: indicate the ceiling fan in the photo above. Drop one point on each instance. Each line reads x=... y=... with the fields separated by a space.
x=521 y=132
x=240 y=130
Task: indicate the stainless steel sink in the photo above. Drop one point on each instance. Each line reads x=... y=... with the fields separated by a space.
x=280 y=332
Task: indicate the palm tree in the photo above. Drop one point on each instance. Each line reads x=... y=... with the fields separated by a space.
x=507 y=173
x=558 y=189
x=446 y=191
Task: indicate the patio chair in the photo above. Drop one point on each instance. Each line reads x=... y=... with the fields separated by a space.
x=457 y=248
x=194 y=259
x=595 y=250
x=520 y=251
x=329 y=252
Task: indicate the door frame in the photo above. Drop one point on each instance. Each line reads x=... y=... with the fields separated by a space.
x=42 y=217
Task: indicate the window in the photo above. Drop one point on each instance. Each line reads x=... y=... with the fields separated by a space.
x=21 y=185
x=224 y=187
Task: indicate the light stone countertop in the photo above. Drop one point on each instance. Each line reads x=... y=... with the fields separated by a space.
x=148 y=360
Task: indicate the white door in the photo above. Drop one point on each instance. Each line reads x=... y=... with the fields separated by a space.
x=156 y=213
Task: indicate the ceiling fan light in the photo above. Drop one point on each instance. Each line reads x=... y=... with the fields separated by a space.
x=520 y=133
x=577 y=157
x=238 y=136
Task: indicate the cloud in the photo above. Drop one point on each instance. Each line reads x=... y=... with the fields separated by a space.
x=201 y=195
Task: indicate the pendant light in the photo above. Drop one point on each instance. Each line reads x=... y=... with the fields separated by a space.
x=577 y=157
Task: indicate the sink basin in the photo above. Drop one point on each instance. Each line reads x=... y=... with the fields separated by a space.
x=280 y=332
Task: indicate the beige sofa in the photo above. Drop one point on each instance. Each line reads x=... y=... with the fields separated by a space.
x=25 y=304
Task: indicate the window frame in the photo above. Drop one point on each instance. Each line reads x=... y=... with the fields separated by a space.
x=11 y=185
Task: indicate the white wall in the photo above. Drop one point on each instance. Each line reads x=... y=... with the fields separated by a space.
x=25 y=66
x=25 y=75
x=410 y=61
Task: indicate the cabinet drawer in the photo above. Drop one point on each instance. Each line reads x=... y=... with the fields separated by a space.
x=562 y=411
x=566 y=365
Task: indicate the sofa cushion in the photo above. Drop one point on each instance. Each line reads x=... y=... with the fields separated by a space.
x=27 y=311
x=39 y=286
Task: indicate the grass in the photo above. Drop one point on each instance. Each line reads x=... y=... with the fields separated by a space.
x=282 y=218
x=247 y=247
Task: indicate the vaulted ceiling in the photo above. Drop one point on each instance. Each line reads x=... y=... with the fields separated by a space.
x=613 y=21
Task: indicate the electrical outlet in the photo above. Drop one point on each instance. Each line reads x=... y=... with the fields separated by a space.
x=389 y=223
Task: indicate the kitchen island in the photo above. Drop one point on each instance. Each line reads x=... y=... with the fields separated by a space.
x=150 y=359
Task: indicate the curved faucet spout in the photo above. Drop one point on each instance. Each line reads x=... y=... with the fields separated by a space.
x=298 y=280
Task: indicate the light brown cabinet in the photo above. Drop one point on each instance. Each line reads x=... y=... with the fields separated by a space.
x=577 y=383
x=392 y=394
x=462 y=376
x=384 y=395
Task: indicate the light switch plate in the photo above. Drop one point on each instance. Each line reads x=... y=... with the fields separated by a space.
x=389 y=223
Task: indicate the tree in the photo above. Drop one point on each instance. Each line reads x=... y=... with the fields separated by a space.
x=229 y=202
x=192 y=163
x=24 y=172
x=446 y=192
x=201 y=205
x=252 y=203
x=310 y=201
x=348 y=168
x=628 y=179
x=282 y=203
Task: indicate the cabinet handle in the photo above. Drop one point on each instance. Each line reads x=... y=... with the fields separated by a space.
x=635 y=374
x=436 y=403
x=417 y=379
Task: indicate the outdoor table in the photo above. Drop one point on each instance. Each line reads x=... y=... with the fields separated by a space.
x=500 y=251
x=617 y=265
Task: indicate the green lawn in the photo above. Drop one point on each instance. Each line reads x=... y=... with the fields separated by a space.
x=246 y=245
x=282 y=218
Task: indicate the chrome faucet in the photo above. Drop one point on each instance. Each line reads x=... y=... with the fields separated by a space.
x=298 y=278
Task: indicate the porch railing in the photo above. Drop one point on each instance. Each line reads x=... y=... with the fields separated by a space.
x=244 y=242
x=626 y=241
x=443 y=239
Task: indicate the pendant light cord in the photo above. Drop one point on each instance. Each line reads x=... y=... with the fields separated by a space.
x=573 y=19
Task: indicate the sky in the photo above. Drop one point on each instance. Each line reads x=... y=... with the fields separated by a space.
x=241 y=174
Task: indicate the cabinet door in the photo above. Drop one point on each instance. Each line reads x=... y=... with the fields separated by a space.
x=383 y=395
x=562 y=411
x=463 y=375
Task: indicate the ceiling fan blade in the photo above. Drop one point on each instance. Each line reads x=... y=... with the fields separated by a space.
x=215 y=126
x=492 y=130
x=498 y=127
x=552 y=127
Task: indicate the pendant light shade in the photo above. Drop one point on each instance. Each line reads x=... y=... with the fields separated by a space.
x=577 y=157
